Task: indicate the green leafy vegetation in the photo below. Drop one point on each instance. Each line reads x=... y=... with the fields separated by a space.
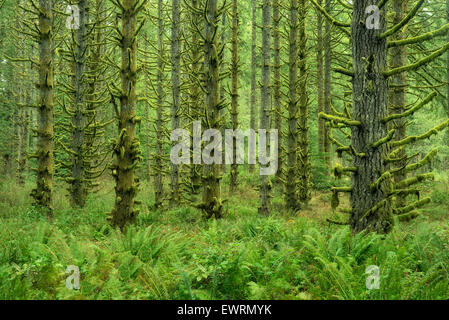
x=178 y=255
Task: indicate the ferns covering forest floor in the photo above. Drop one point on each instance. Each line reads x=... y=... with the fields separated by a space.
x=178 y=255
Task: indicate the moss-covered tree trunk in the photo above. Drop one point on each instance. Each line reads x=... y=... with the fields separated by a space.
x=78 y=190
x=212 y=204
x=21 y=135
x=147 y=120
x=304 y=154
x=266 y=105
x=398 y=90
x=26 y=128
x=26 y=131
x=253 y=70
x=176 y=83
x=34 y=111
x=292 y=147
x=18 y=120
x=158 y=178
x=320 y=80
x=371 y=206
x=127 y=145
x=327 y=80
x=96 y=123
x=235 y=90
x=223 y=96
x=43 y=194
x=447 y=79
x=373 y=148
x=278 y=107
x=196 y=103
x=24 y=103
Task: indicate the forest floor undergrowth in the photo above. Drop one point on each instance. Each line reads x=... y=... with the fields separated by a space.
x=176 y=254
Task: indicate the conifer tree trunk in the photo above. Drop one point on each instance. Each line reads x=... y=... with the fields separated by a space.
x=20 y=120
x=373 y=148
x=26 y=132
x=223 y=100
x=147 y=134
x=96 y=124
x=158 y=178
x=147 y=116
x=26 y=128
x=278 y=108
x=195 y=92
x=23 y=120
x=371 y=207
x=253 y=69
x=78 y=191
x=304 y=156
x=447 y=79
x=265 y=105
x=212 y=204
x=127 y=147
x=20 y=148
x=292 y=157
x=33 y=111
x=320 y=84
x=222 y=67
x=397 y=100
x=21 y=156
x=235 y=90
x=43 y=194
x=327 y=81
x=176 y=83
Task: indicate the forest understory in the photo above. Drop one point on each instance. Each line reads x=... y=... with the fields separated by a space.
x=176 y=254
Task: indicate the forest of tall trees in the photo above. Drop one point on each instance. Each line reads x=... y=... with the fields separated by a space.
x=224 y=149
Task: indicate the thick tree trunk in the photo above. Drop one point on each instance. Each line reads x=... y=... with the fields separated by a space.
x=235 y=91
x=371 y=207
x=212 y=204
x=127 y=148
x=43 y=194
x=78 y=190
x=292 y=157
x=304 y=155
x=176 y=83
x=253 y=69
x=265 y=105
